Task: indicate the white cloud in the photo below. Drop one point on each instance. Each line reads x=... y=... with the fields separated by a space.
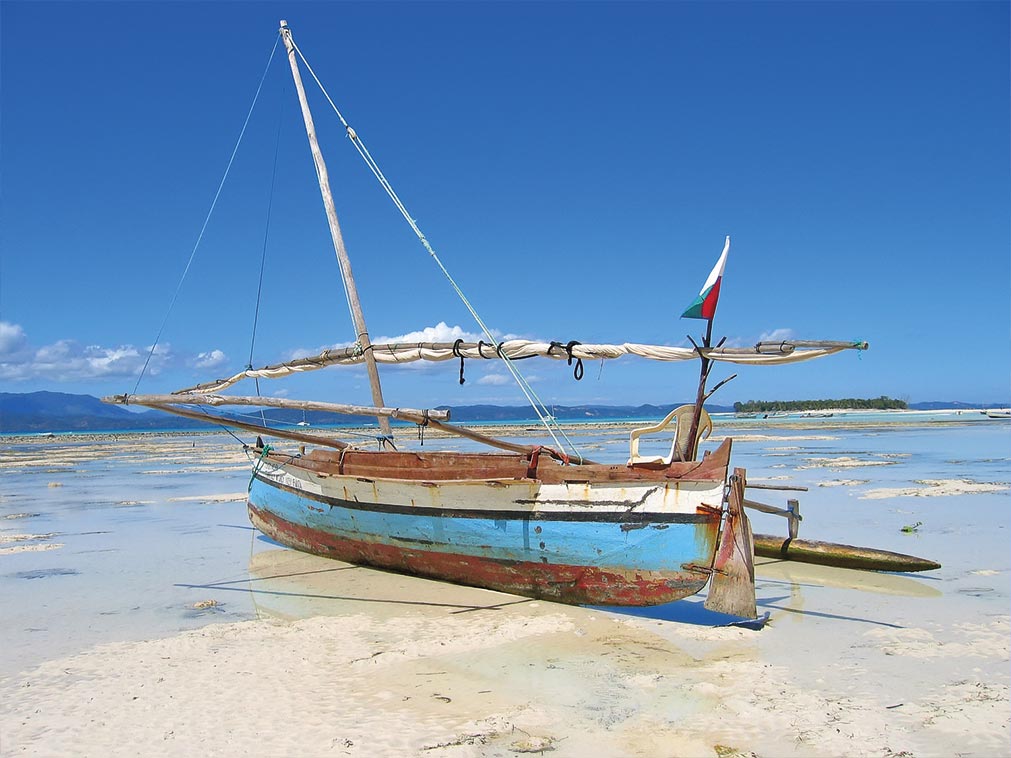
x=12 y=339
x=500 y=380
x=441 y=332
x=777 y=335
x=68 y=360
x=210 y=359
x=496 y=380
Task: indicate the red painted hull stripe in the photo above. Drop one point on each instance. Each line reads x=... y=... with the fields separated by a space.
x=583 y=585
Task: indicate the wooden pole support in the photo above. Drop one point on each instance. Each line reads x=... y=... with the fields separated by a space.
x=335 y=232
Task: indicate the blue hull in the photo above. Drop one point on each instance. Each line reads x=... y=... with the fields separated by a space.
x=620 y=558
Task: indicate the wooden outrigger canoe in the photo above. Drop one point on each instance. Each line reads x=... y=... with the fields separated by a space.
x=525 y=524
x=531 y=521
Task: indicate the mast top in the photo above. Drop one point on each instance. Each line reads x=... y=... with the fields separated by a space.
x=284 y=24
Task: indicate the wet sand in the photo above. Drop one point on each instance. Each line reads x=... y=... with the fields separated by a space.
x=150 y=619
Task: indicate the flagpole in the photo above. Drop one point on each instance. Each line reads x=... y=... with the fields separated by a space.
x=692 y=448
x=703 y=305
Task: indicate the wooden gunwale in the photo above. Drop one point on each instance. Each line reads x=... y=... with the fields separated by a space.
x=461 y=466
x=523 y=510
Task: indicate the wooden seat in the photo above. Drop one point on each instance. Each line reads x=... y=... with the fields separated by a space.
x=682 y=417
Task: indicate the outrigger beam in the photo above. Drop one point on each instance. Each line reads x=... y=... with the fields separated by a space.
x=825 y=553
x=838 y=555
x=310 y=439
x=406 y=414
x=432 y=418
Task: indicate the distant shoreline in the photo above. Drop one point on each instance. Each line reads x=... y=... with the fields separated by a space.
x=839 y=418
x=46 y=412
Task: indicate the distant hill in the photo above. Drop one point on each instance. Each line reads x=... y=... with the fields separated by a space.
x=955 y=405
x=63 y=412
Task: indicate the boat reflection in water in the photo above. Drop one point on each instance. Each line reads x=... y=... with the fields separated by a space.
x=290 y=585
x=812 y=575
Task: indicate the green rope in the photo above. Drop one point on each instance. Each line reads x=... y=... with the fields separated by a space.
x=259 y=464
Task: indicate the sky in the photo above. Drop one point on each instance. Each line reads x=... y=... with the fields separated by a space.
x=576 y=166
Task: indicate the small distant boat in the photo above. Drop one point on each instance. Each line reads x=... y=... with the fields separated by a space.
x=998 y=414
x=816 y=414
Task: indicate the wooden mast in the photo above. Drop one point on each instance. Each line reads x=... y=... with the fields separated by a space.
x=335 y=232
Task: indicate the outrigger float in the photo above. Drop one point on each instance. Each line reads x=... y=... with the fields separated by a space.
x=531 y=520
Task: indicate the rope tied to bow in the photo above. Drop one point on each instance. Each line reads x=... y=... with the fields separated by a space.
x=265 y=451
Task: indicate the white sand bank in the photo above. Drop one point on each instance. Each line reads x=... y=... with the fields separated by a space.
x=936 y=488
x=347 y=661
x=391 y=666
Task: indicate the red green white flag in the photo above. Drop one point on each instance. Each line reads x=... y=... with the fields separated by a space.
x=705 y=304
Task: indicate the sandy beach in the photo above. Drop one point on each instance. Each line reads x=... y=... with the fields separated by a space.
x=143 y=616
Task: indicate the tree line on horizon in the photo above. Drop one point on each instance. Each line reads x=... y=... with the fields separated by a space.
x=882 y=403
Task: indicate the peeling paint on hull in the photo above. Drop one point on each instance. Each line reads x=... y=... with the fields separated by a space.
x=602 y=555
x=583 y=585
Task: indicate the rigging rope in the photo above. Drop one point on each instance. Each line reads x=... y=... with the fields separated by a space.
x=535 y=402
x=203 y=229
x=266 y=233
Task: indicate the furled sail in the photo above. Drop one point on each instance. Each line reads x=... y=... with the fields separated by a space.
x=762 y=353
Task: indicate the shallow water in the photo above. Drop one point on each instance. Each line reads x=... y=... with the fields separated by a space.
x=148 y=527
x=126 y=542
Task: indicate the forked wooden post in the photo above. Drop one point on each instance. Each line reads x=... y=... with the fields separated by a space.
x=335 y=232
x=732 y=589
x=700 y=396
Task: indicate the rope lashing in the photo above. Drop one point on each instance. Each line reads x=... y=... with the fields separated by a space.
x=456 y=352
x=533 y=458
x=421 y=427
x=577 y=372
